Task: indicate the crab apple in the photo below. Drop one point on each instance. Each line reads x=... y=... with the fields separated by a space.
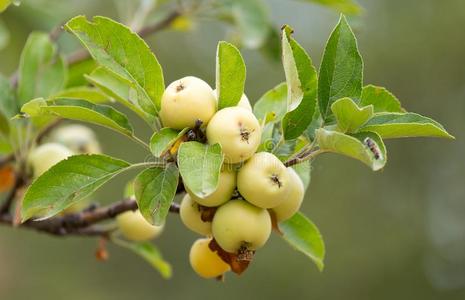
x=134 y=227
x=238 y=132
x=191 y=215
x=239 y=224
x=185 y=101
x=205 y=262
x=46 y=156
x=224 y=191
x=78 y=138
x=244 y=102
x=263 y=180
x=294 y=199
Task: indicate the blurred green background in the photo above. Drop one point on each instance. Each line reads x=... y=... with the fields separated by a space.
x=395 y=234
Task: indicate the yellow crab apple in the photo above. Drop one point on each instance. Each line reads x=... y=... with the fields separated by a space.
x=243 y=102
x=78 y=138
x=134 y=227
x=294 y=199
x=238 y=132
x=263 y=180
x=224 y=191
x=46 y=156
x=204 y=261
x=185 y=101
x=191 y=215
x=239 y=224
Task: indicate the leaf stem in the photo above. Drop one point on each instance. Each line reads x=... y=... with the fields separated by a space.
x=308 y=155
x=140 y=142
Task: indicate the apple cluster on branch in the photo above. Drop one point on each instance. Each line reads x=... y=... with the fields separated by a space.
x=242 y=172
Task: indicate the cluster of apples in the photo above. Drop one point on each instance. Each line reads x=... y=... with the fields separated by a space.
x=253 y=187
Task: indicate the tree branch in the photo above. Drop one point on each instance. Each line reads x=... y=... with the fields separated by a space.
x=83 y=223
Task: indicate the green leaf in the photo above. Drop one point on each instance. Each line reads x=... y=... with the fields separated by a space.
x=200 y=167
x=155 y=189
x=115 y=47
x=7 y=98
x=398 y=125
x=273 y=101
x=230 y=75
x=83 y=92
x=42 y=71
x=348 y=7
x=302 y=82
x=68 y=182
x=252 y=20
x=367 y=147
x=33 y=110
x=341 y=69
x=349 y=116
x=150 y=253
x=121 y=90
x=162 y=140
x=381 y=99
x=305 y=237
x=81 y=110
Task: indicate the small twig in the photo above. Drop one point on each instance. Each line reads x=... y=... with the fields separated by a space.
x=56 y=31
x=150 y=29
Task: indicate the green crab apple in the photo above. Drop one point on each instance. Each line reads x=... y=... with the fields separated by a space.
x=134 y=227
x=185 y=101
x=78 y=138
x=263 y=180
x=46 y=156
x=238 y=132
x=244 y=102
x=205 y=262
x=191 y=215
x=294 y=199
x=240 y=225
x=224 y=191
